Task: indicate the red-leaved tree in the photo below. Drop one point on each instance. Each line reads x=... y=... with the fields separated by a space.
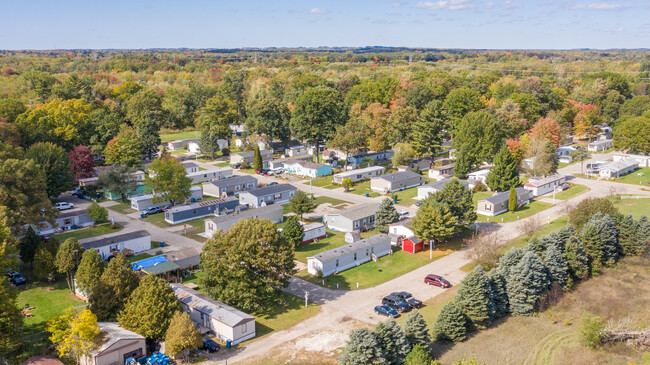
x=548 y=129
x=81 y=158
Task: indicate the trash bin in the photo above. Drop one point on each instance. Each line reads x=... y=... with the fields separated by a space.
x=228 y=344
x=142 y=215
x=162 y=243
x=367 y=195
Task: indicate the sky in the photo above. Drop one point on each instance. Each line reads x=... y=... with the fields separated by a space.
x=483 y=24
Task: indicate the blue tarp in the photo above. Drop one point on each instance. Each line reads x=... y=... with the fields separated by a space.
x=138 y=265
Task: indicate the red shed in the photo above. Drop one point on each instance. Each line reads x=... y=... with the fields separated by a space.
x=412 y=244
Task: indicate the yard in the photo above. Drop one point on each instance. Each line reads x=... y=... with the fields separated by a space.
x=634 y=178
x=389 y=267
x=525 y=211
x=405 y=197
x=334 y=239
x=574 y=190
x=122 y=207
x=98 y=230
x=164 y=138
x=636 y=207
x=324 y=182
x=363 y=188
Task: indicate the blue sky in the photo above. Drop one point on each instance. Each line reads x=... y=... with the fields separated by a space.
x=496 y=24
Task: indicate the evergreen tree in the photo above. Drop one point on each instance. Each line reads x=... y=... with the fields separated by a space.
x=564 y=234
x=392 y=341
x=11 y=320
x=427 y=131
x=362 y=348
x=557 y=266
x=474 y=298
x=527 y=282
x=459 y=200
x=464 y=162
x=28 y=246
x=497 y=278
x=415 y=329
x=293 y=231
x=386 y=214
x=150 y=308
x=512 y=200
x=434 y=222
x=510 y=259
x=89 y=272
x=301 y=204
x=181 y=335
x=644 y=234
x=419 y=355
x=450 y=324
x=593 y=246
x=44 y=267
x=630 y=241
x=606 y=229
x=258 y=164
x=577 y=259
x=504 y=174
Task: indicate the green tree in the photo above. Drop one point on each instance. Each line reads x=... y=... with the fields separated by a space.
x=144 y=107
x=464 y=162
x=428 y=130
x=450 y=324
x=415 y=329
x=631 y=134
x=74 y=333
x=269 y=117
x=630 y=241
x=593 y=246
x=583 y=212
x=592 y=330
x=577 y=259
x=347 y=184
x=97 y=213
x=527 y=281
x=241 y=272
x=474 y=298
x=459 y=200
x=67 y=259
x=214 y=122
x=581 y=154
x=635 y=106
x=403 y=155
x=114 y=288
x=89 y=271
x=461 y=101
x=10 y=109
x=419 y=355
x=11 y=319
x=293 y=231
x=363 y=348
x=606 y=230
x=393 y=341
x=316 y=115
x=258 y=164
x=119 y=179
x=434 y=222
x=386 y=214
x=546 y=160
x=512 y=200
x=168 y=181
x=44 y=267
x=556 y=263
x=301 y=204
x=504 y=175
x=125 y=148
x=497 y=278
x=479 y=137
x=150 y=308
x=349 y=138
x=182 y=335
x=147 y=132
x=40 y=82
x=55 y=162
x=29 y=244
x=234 y=84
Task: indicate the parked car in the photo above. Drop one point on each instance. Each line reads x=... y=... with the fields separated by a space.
x=396 y=303
x=209 y=345
x=64 y=205
x=384 y=310
x=272 y=183
x=417 y=203
x=165 y=207
x=437 y=280
x=17 y=278
x=403 y=214
x=278 y=171
x=407 y=298
x=236 y=166
x=258 y=171
x=152 y=210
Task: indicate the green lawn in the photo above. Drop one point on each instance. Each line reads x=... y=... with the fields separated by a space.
x=363 y=188
x=527 y=210
x=48 y=300
x=334 y=239
x=99 y=230
x=564 y=164
x=634 y=178
x=123 y=207
x=405 y=197
x=223 y=164
x=636 y=207
x=138 y=257
x=333 y=201
x=164 y=138
x=323 y=181
x=574 y=190
x=480 y=196
x=389 y=267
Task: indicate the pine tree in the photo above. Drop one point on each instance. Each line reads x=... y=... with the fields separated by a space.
x=557 y=266
x=89 y=272
x=415 y=329
x=504 y=175
x=474 y=298
x=459 y=200
x=565 y=233
x=450 y=324
x=427 y=130
x=527 y=281
x=498 y=284
x=631 y=242
x=463 y=163
x=577 y=259
x=606 y=229
x=362 y=348
x=593 y=246
x=644 y=234
x=181 y=335
x=510 y=259
x=258 y=164
x=392 y=341
x=512 y=200
x=301 y=204
x=419 y=355
x=293 y=231
x=386 y=214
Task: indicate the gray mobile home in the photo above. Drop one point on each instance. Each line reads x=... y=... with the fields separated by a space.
x=274 y=194
x=396 y=181
x=498 y=203
x=271 y=212
x=210 y=175
x=230 y=185
x=185 y=213
x=247 y=157
x=142 y=202
x=352 y=219
x=359 y=174
x=348 y=256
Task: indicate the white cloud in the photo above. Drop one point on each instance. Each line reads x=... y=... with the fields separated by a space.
x=446 y=5
x=614 y=30
x=318 y=11
x=510 y=5
x=604 y=6
x=489 y=5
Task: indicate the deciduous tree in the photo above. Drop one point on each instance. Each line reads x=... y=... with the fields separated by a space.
x=125 y=148
x=632 y=134
x=68 y=257
x=114 y=288
x=269 y=117
x=97 y=213
x=81 y=162
x=167 y=179
x=583 y=212
x=301 y=204
x=349 y=138
x=29 y=244
x=581 y=154
x=89 y=272
x=479 y=136
x=545 y=161
x=419 y=355
x=74 y=332
x=182 y=335
x=44 y=267
x=55 y=163
x=119 y=179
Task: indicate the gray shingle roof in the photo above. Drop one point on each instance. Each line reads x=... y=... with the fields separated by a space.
x=350 y=247
x=546 y=180
x=190 y=164
x=399 y=176
x=248 y=213
x=251 y=153
x=359 y=211
x=233 y=180
x=181 y=208
x=360 y=171
x=274 y=189
x=619 y=165
x=215 y=309
x=505 y=195
x=111 y=333
x=105 y=241
x=305 y=164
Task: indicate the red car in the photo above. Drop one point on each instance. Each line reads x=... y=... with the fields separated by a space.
x=437 y=280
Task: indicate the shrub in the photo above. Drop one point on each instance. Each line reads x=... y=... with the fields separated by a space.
x=479 y=187
x=418 y=356
x=115 y=226
x=592 y=329
x=97 y=213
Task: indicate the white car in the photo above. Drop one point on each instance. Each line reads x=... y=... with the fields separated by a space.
x=403 y=214
x=64 y=205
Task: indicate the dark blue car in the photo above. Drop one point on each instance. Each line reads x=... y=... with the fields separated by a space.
x=210 y=346
x=396 y=304
x=17 y=278
x=385 y=310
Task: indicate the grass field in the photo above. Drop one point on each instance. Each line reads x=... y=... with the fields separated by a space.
x=405 y=197
x=124 y=208
x=87 y=232
x=334 y=239
x=574 y=190
x=389 y=267
x=634 y=178
x=323 y=182
x=363 y=188
x=552 y=337
x=526 y=211
x=636 y=207
x=49 y=300
x=164 y=138
x=480 y=196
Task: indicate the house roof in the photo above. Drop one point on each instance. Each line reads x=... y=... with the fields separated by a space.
x=161 y=268
x=444 y=167
x=358 y=212
x=182 y=208
x=233 y=180
x=189 y=164
x=312 y=226
x=305 y=164
x=360 y=171
x=215 y=309
x=182 y=254
x=105 y=241
x=251 y=153
x=148 y=262
x=273 y=189
x=399 y=176
x=72 y=214
x=110 y=333
x=619 y=165
x=406 y=223
x=42 y=360
x=597 y=143
x=244 y=214
x=504 y=196
x=187 y=140
x=546 y=180
x=217 y=170
x=350 y=247
x=440 y=184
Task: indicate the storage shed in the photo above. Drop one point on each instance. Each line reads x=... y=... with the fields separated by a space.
x=185 y=213
x=348 y=256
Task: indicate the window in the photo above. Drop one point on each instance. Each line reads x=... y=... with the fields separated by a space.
x=337 y=262
x=355 y=256
x=366 y=252
x=244 y=328
x=372 y=250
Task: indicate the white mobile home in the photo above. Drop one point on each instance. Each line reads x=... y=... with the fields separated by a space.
x=106 y=246
x=273 y=194
x=142 y=202
x=65 y=221
x=442 y=172
x=348 y=256
x=359 y=174
x=601 y=145
x=313 y=231
x=545 y=185
x=210 y=175
x=213 y=317
x=272 y=212
x=480 y=175
x=642 y=160
x=617 y=168
x=434 y=187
